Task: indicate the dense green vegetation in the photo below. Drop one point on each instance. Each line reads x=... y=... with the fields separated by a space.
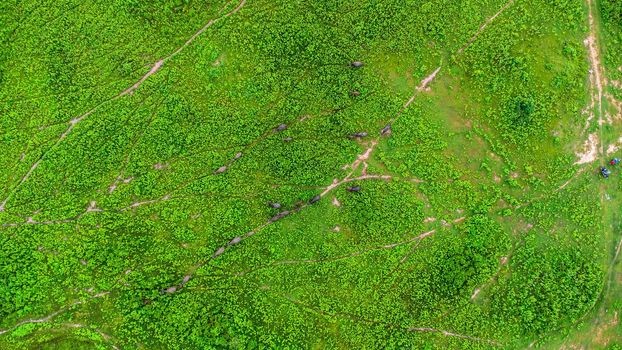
x=141 y=149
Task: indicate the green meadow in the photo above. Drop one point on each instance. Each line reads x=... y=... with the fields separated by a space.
x=253 y=174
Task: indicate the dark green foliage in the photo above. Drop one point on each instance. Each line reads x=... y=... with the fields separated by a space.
x=548 y=286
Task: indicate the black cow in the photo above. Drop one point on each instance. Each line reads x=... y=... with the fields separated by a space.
x=358 y=135
x=315 y=199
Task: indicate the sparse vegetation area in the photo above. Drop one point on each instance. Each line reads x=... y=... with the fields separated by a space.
x=310 y=174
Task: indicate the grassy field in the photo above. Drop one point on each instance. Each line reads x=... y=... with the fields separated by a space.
x=310 y=174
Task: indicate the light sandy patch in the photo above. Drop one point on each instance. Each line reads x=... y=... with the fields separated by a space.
x=336 y=202
x=118 y=180
x=425 y=82
x=612 y=148
x=156 y=66
x=160 y=166
x=502 y=262
x=459 y=220
x=590 y=150
x=361 y=158
x=365 y=166
x=219 y=60
x=475 y=293
x=93 y=207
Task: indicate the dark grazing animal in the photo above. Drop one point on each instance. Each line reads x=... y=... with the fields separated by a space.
x=315 y=199
x=358 y=135
x=386 y=130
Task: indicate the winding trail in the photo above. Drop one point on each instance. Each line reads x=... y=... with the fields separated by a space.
x=558 y=189
x=53 y=314
x=595 y=109
x=483 y=26
x=502 y=263
x=421 y=88
x=449 y=334
x=31 y=221
x=155 y=68
x=387 y=246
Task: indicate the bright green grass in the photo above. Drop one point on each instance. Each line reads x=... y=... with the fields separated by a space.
x=476 y=162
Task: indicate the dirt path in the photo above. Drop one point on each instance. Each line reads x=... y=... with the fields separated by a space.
x=595 y=109
x=571 y=179
x=593 y=148
x=483 y=26
x=613 y=261
x=31 y=221
x=597 y=70
x=448 y=334
x=53 y=314
x=561 y=187
x=156 y=66
x=154 y=69
x=423 y=86
x=280 y=216
x=337 y=258
x=502 y=263
x=207 y=25
x=597 y=79
x=590 y=150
